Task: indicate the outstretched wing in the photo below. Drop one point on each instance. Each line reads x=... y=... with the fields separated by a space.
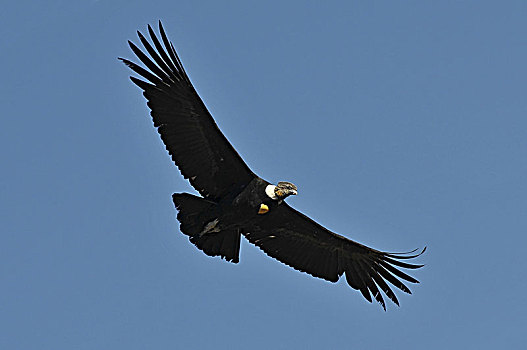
x=192 y=138
x=295 y=240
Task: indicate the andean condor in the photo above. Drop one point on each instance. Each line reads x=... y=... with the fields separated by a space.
x=237 y=202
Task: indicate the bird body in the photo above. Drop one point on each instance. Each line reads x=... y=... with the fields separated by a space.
x=234 y=201
x=231 y=216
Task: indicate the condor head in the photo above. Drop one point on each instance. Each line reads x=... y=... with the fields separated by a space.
x=281 y=191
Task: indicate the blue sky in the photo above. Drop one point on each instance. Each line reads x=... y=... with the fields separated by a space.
x=402 y=123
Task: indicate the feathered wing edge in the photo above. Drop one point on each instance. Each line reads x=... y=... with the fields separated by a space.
x=371 y=270
x=165 y=69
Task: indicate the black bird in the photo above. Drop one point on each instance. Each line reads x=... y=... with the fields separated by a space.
x=237 y=202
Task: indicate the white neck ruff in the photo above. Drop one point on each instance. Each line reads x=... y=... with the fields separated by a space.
x=269 y=191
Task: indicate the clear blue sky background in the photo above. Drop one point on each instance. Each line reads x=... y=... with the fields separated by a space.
x=403 y=123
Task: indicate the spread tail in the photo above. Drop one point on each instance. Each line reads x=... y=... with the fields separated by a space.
x=196 y=216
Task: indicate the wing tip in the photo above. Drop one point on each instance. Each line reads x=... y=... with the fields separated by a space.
x=405 y=255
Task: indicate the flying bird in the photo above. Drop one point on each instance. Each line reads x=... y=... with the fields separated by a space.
x=234 y=201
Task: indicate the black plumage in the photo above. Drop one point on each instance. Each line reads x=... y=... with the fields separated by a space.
x=237 y=202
